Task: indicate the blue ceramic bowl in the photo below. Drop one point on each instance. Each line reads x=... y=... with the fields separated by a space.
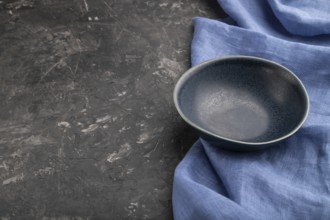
x=242 y=103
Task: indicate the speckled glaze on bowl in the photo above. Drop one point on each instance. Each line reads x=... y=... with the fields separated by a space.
x=242 y=103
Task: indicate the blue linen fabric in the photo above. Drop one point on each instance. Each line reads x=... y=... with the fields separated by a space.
x=288 y=181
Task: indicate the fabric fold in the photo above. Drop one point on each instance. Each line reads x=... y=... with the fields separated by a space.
x=303 y=17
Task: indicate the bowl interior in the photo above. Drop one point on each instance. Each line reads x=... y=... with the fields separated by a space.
x=247 y=100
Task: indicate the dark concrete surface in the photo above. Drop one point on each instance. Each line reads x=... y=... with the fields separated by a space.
x=88 y=129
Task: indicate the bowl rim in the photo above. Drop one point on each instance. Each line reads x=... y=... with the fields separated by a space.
x=195 y=70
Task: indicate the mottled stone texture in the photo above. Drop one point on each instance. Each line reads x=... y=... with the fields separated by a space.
x=88 y=129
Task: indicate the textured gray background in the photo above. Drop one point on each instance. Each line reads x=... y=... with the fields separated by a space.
x=88 y=129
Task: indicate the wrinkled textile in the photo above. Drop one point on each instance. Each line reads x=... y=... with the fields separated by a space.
x=289 y=181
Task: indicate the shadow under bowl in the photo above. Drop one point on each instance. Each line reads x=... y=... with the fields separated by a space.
x=242 y=103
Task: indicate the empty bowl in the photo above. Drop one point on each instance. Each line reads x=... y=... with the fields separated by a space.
x=242 y=103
